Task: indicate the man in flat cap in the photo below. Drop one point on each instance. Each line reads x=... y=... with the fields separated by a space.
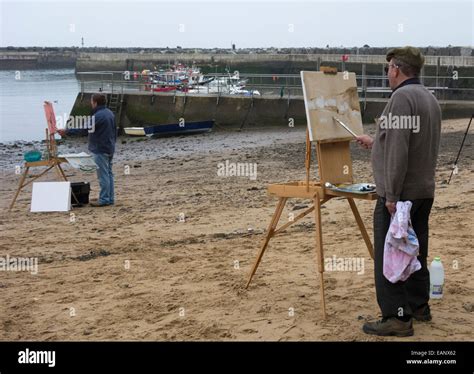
x=404 y=155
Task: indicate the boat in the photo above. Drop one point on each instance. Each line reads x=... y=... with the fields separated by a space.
x=134 y=131
x=190 y=80
x=170 y=129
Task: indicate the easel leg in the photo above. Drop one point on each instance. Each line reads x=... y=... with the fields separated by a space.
x=361 y=225
x=61 y=171
x=270 y=231
x=20 y=186
x=319 y=250
x=58 y=171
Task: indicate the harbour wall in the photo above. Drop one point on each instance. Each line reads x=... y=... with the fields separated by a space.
x=235 y=112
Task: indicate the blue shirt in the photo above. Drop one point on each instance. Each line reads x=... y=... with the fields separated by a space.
x=103 y=134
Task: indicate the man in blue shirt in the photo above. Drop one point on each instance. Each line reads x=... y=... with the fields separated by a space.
x=102 y=138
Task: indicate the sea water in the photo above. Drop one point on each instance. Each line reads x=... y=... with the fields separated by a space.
x=22 y=93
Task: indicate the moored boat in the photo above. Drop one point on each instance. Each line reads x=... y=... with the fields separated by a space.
x=171 y=128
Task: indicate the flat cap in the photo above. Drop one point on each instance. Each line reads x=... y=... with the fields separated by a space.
x=409 y=55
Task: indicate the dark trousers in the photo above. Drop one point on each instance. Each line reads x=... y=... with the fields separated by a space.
x=402 y=298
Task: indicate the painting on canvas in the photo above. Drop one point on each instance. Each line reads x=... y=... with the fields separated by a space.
x=327 y=96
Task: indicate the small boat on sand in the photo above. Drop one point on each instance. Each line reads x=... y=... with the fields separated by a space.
x=171 y=129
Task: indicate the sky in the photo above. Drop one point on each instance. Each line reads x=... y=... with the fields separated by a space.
x=247 y=24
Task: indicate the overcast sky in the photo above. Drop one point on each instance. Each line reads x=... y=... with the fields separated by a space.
x=211 y=24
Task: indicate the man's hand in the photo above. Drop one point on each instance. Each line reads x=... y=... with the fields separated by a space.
x=62 y=132
x=365 y=141
x=391 y=207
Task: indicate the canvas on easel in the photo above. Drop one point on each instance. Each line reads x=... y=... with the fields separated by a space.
x=328 y=95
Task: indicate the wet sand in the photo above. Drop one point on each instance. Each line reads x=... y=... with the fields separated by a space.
x=134 y=271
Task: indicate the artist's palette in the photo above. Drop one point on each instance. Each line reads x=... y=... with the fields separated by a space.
x=359 y=188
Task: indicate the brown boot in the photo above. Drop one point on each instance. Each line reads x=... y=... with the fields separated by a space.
x=389 y=327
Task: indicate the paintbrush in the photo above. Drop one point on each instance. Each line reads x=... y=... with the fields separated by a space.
x=346 y=127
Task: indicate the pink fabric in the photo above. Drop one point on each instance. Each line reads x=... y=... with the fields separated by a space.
x=50 y=117
x=401 y=246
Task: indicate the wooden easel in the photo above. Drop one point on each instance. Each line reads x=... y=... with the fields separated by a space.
x=335 y=166
x=51 y=161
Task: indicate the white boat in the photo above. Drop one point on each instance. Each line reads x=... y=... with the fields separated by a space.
x=240 y=91
x=135 y=131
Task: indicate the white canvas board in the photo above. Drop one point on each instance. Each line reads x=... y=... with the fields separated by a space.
x=51 y=197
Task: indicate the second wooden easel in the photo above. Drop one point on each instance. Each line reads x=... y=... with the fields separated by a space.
x=52 y=160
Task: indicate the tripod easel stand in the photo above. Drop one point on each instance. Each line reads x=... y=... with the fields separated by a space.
x=335 y=166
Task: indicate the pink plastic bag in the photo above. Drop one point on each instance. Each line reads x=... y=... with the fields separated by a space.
x=401 y=246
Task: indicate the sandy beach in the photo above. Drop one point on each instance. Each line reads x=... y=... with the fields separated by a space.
x=170 y=260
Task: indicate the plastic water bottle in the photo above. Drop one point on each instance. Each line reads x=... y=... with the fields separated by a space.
x=436 y=279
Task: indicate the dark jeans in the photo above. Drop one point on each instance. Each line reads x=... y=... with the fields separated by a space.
x=414 y=292
x=106 y=178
